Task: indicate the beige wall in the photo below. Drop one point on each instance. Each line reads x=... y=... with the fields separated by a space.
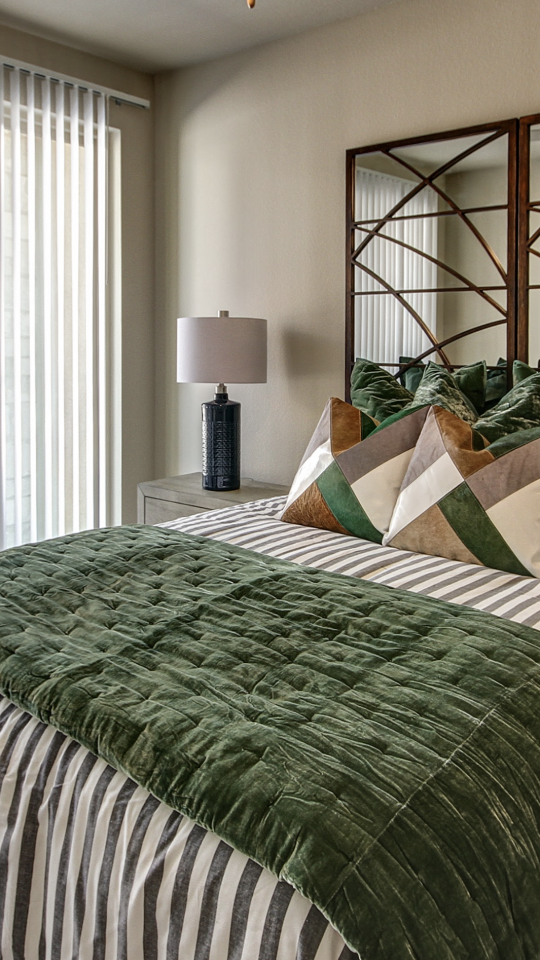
x=250 y=203
x=137 y=131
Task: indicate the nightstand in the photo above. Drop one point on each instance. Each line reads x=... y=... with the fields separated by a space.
x=162 y=500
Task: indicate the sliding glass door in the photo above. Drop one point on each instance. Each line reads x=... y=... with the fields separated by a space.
x=57 y=316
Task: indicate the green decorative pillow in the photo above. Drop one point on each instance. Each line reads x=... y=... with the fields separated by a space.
x=471 y=380
x=438 y=386
x=477 y=506
x=519 y=409
x=379 y=394
x=520 y=371
x=351 y=474
x=376 y=391
x=411 y=378
x=496 y=385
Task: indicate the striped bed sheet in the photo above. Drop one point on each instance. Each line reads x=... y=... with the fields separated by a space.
x=256 y=526
x=92 y=867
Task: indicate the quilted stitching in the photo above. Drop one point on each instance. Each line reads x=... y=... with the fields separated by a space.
x=379 y=750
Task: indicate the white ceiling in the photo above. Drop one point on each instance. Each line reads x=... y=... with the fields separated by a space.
x=155 y=35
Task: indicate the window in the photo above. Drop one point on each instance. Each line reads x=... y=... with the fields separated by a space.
x=59 y=309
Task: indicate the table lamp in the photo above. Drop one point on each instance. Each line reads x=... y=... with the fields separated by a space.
x=221 y=350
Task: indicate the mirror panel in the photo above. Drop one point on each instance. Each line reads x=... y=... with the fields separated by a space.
x=429 y=240
x=530 y=239
x=436 y=157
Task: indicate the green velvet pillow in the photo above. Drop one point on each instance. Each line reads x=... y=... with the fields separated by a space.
x=519 y=409
x=496 y=385
x=376 y=391
x=520 y=371
x=411 y=378
x=439 y=387
x=471 y=380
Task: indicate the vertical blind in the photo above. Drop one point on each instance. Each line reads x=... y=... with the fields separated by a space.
x=55 y=416
x=384 y=329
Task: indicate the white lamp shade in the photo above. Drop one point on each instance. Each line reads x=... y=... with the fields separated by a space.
x=221 y=350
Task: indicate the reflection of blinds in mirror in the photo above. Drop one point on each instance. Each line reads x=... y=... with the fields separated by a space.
x=384 y=329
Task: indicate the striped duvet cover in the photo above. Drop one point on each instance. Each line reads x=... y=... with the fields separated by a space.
x=93 y=867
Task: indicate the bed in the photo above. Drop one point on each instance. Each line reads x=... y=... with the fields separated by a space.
x=306 y=728
x=93 y=865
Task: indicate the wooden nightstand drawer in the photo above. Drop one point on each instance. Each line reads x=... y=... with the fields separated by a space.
x=159 y=511
x=162 y=500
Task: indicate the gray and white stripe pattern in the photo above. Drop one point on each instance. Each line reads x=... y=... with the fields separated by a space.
x=256 y=526
x=92 y=867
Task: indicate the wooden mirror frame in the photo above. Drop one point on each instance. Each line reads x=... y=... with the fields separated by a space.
x=525 y=239
x=519 y=249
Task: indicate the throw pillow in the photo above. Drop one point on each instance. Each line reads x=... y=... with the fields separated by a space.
x=496 y=384
x=411 y=378
x=471 y=379
x=519 y=409
x=520 y=371
x=438 y=386
x=376 y=391
x=350 y=474
x=477 y=506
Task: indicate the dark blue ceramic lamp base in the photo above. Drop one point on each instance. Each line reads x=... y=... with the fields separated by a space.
x=221 y=443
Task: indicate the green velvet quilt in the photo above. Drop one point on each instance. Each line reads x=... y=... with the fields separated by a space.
x=378 y=750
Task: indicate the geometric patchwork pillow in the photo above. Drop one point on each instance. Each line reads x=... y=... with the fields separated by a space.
x=351 y=474
x=475 y=505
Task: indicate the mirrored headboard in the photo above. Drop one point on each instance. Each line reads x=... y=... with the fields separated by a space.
x=443 y=247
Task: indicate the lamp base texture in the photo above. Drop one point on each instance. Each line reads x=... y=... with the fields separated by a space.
x=221 y=443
